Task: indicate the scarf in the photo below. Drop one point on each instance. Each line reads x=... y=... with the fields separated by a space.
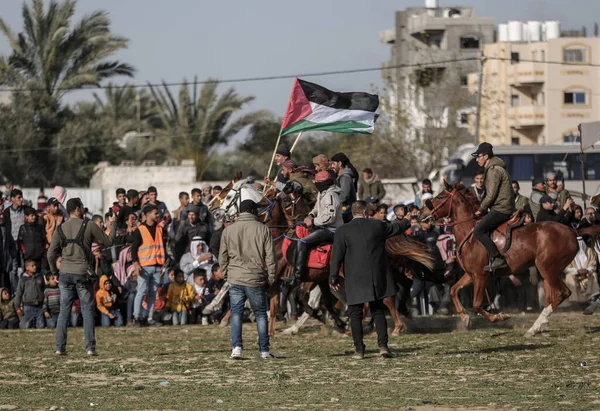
x=60 y=193
x=194 y=248
x=374 y=178
x=581 y=257
x=121 y=271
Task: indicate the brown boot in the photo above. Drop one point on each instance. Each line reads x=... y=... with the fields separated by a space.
x=385 y=352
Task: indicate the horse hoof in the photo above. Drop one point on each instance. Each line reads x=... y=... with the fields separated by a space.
x=465 y=322
x=289 y=331
x=529 y=334
x=503 y=317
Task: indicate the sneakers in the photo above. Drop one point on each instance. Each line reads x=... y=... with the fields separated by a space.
x=92 y=353
x=61 y=353
x=266 y=355
x=152 y=323
x=385 y=352
x=204 y=320
x=236 y=353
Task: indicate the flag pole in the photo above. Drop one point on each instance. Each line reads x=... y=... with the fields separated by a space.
x=296 y=141
x=272 y=160
x=582 y=167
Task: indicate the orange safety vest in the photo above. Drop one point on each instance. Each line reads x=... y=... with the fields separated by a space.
x=152 y=250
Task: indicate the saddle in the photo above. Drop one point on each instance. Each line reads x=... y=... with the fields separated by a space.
x=318 y=257
x=502 y=236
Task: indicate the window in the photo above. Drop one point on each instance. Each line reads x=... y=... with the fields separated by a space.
x=464 y=119
x=543 y=55
x=571 y=137
x=515 y=141
x=514 y=57
x=464 y=80
x=575 y=55
x=574 y=97
x=515 y=100
x=469 y=42
x=534 y=55
x=541 y=99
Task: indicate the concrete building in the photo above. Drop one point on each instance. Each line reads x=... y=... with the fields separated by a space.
x=537 y=85
x=437 y=47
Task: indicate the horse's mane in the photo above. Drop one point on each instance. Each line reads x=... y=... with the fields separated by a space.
x=403 y=246
x=469 y=194
x=241 y=183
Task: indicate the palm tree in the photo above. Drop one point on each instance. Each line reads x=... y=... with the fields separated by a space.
x=125 y=104
x=52 y=55
x=196 y=125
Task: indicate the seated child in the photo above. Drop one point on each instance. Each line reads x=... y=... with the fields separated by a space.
x=106 y=301
x=29 y=298
x=130 y=291
x=204 y=295
x=179 y=298
x=52 y=301
x=8 y=313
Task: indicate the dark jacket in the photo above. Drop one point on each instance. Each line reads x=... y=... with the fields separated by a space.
x=30 y=290
x=563 y=217
x=7 y=308
x=499 y=195
x=360 y=246
x=309 y=190
x=32 y=237
x=215 y=242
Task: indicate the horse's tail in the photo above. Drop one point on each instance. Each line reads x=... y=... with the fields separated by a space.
x=591 y=231
x=403 y=246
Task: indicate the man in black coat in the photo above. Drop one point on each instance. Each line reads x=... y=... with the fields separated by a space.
x=547 y=212
x=360 y=246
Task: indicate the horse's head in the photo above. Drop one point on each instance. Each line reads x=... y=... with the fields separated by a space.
x=442 y=205
x=241 y=190
x=217 y=201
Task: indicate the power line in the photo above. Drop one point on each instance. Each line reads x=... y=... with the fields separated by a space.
x=253 y=79
x=561 y=63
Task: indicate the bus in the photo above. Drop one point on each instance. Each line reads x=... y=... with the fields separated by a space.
x=526 y=162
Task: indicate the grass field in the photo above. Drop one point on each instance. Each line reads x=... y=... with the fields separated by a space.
x=490 y=368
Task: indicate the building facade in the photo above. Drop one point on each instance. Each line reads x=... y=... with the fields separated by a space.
x=432 y=51
x=538 y=92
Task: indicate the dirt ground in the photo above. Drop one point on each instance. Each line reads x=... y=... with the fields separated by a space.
x=487 y=368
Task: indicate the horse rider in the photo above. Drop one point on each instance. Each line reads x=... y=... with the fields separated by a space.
x=302 y=175
x=499 y=199
x=324 y=218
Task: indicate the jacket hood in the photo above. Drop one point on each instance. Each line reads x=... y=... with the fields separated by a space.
x=103 y=279
x=374 y=178
x=334 y=189
x=348 y=171
x=495 y=161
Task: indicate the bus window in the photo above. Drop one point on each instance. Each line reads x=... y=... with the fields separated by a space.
x=520 y=166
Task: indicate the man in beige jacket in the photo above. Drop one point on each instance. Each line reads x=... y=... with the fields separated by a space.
x=248 y=262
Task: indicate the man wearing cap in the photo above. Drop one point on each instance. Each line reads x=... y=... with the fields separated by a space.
x=324 y=218
x=547 y=212
x=248 y=262
x=281 y=156
x=538 y=190
x=301 y=175
x=499 y=199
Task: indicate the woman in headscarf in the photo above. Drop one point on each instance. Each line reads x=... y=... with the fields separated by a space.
x=581 y=274
x=60 y=193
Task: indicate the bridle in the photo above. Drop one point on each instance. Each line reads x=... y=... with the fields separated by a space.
x=451 y=198
x=237 y=198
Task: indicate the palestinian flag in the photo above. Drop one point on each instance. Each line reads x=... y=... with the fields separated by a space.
x=313 y=107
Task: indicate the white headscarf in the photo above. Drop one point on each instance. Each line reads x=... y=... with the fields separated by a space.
x=581 y=257
x=194 y=247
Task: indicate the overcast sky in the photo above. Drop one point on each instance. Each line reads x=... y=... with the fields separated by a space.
x=233 y=39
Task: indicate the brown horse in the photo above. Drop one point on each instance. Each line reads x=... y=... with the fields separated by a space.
x=274 y=215
x=549 y=246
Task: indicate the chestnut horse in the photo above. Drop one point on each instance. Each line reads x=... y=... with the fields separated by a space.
x=549 y=246
x=274 y=215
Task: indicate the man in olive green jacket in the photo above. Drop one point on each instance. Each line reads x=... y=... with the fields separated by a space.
x=370 y=186
x=499 y=199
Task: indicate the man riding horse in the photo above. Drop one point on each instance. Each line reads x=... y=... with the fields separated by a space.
x=499 y=199
x=324 y=217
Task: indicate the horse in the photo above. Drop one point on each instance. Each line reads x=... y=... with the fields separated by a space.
x=549 y=246
x=279 y=222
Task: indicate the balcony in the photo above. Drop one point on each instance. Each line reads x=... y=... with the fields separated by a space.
x=526 y=74
x=527 y=116
x=424 y=23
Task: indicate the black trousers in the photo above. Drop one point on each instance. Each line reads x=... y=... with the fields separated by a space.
x=486 y=227
x=355 y=312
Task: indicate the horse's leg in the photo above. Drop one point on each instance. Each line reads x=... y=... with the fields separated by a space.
x=479 y=283
x=225 y=320
x=328 y=303
x=398 y=326
x=274 y=306
x=310 y=307
x=556 y=292
x=465 y=280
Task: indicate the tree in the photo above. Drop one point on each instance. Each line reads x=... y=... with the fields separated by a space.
x=52 y=56
x=196 y=124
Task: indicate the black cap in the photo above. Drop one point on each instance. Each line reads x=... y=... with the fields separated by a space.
x=283 y=150
x=536 y=181
x=546 y=199
x=248 y=206
x=484 y=148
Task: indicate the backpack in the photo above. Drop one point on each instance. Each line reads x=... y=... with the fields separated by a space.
x=78 y=240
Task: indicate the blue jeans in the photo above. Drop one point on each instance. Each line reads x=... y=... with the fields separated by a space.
x=73 y=286
x=180 y=317
x=118 y=320
x=75 y=319
x=51 y=322
x=258 y=301
x=31 y=313
x=130 y=305
x=148 y=281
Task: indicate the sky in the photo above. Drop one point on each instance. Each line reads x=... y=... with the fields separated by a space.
x=170 y=40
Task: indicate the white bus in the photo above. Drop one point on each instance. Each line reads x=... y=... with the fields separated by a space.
x=526 y=162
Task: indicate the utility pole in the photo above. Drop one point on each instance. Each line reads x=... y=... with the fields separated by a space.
x=479 y=92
